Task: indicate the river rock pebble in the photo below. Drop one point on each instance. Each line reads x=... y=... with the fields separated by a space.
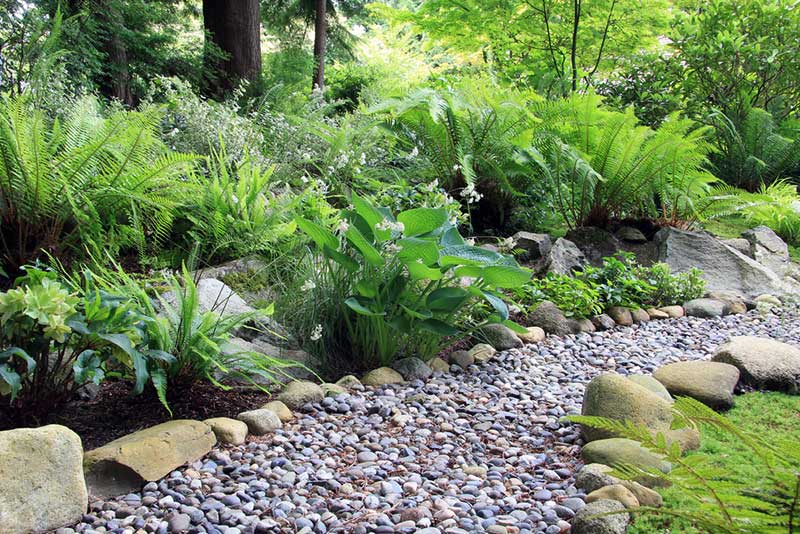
x=464 y=451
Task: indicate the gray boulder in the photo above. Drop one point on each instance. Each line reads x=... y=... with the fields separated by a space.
x=42 y=479
x=739 y=244
x=621 y=451
x=648 y=382
x=261 y=421
x=126 y=463
x=535 y=246
x=599 y=517
x=639 y=315
x=461 y=358
x=501 y=337
x=631 y=235
x=595 y=243
x=412 y=369
x=382 y=376
x=299 y=393
x=723 y=267
x=763 y=363
x=549 y=318
x=603 y=322
x=482 y=353
x=705 y=308
x=564 y=258
x=592 y=477
x=712 y=383
x=768 y=249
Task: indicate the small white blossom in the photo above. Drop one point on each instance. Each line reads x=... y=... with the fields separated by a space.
x=386 y=224
x=392 y=248
x=316 y=334
x=413 y=154
x=308 y=285
x=470 y=242
x=363 y=159
x=343 y=226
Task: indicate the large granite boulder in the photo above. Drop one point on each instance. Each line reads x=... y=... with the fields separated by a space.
x=534 y=246
x=595 y=243
x=41 y=479
x=601 y=517
x=564 y=257
x=768 y=249
x=712 y=383
x=723 y=267
x=552 y=320
x=614 y=492
x=631 y=235
x=648 y=382
x=123 y=465
x=763 y=363
x=705 y=308
x=615 y=397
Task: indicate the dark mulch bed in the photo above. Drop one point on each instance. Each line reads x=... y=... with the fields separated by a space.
x=114 y=412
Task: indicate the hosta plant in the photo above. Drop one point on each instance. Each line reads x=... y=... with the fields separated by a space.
x=53 y=342
x=618 y=282
x=384 y=286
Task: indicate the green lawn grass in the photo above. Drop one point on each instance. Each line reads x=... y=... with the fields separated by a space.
x=768 y=415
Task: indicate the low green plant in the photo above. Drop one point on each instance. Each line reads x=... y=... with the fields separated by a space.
x=53 y=342
x=573 y=296
x=384 y=286
x=718 y=500
x=668 y=288
x=618 y=281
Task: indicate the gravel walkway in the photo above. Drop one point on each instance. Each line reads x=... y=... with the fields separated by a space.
x=475 y=451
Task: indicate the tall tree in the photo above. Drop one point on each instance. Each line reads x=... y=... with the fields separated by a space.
x=320 y=43
x=233 y=42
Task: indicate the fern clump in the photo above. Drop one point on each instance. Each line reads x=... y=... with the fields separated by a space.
x=767 y=502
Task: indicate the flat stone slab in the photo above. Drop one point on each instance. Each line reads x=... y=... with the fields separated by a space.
x=126 y=463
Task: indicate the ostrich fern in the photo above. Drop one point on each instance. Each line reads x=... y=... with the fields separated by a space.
x=86 y=181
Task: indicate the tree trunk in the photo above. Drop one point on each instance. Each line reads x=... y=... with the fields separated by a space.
x=116 y=80
x=233 y=27
x=320 y=43
x=576 y=6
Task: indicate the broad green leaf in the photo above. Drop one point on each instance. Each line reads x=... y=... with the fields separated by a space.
x=451 y=237
x=468 y=255
x=439 y=327
x=16 y=351
x=518 y=328
x=446 y=298
x=370 y=214
x=358 y=307
x=342 y=259
x=318 y=233
x=12 y=378
x=88 y=367
x=417 y=314
x=354 y=219
x=506 y=276
x=401 y=323
x=414 y=248
x=497 y=303
x=366 y=289
x=159 y=379
x=418 y=271
x=420 y=221
x=468 y=271
x=369 y=252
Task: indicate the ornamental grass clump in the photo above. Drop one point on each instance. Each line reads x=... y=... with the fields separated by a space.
x=378 y=287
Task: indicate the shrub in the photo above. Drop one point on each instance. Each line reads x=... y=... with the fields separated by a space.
x=618 y=281
x=573 y=296
x=196 y=340
x=52 y=342
x=724 y=504
x=669 y=289
x=385 y=286
x=87 y=181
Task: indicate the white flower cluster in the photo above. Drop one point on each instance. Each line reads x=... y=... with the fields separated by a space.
x=308 y=285
x=342 y=227
x=386 y=224
x=507 y=244
x=470 y=194
x=316 y=334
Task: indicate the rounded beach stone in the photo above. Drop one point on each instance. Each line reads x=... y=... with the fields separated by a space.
x=228 y=431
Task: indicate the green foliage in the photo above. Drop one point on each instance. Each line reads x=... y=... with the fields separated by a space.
x=752 y=152
x=53 y=342
x=618 y=282
x=87 y=181
x=747 y=481
x=382 y=287
x=669 y=289
x=602 y=165
x=573 y=296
